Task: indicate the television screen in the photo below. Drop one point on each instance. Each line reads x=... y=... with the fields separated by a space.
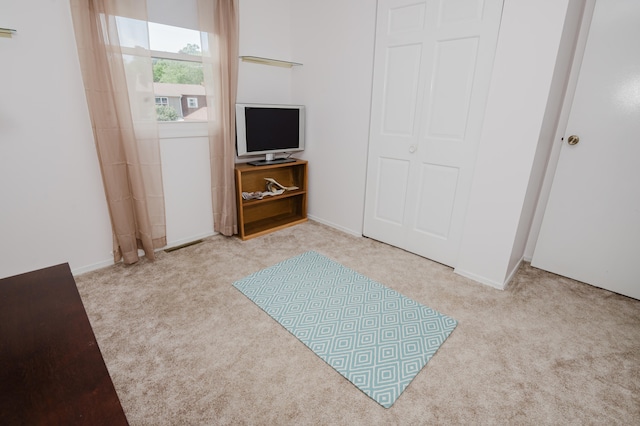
x=269 y=130
x=272 y=128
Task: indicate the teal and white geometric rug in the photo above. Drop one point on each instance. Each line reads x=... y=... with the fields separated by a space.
x=375 y=337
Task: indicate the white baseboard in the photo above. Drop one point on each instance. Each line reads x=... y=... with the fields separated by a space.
x=93 y=267
x=333 y=225
x=480 y=279
x=513 y=272
x=186 y=240
x=103 y=264
x=487 y=281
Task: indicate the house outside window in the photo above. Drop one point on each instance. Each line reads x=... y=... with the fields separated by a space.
x=176 y=57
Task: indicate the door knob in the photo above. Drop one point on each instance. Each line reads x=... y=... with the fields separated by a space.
x=573 y=140
x=412 y=149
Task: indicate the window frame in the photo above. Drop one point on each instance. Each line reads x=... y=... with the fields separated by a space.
x=165 y=98
x=192 y=102
x=160 y=54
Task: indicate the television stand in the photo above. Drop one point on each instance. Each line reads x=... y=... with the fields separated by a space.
x=261 y=216
x=270 y=162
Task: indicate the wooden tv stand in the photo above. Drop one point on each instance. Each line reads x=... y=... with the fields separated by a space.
x=259 y=217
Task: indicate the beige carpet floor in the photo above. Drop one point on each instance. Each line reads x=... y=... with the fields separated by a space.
x=186 y=348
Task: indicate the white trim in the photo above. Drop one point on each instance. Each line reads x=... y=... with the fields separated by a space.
x=93 y=267
x=479 y=279
x=513 y=272
x=488 y=281
x=105 y=263
x=143 y=52
x=333 y=225
x=187 y=240
x=186 y=57
x=182 y=129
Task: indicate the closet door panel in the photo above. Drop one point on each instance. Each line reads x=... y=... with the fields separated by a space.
x=432 y=68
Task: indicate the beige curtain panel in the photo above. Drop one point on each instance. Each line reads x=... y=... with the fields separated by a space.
x=126 y=136
x=219 y=27
x=122 y=107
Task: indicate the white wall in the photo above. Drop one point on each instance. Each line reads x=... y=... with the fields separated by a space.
x=265 y=31
x=334 y=40
x=53 y=208
x=502 y=201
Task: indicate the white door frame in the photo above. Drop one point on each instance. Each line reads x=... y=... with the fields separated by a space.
x=563 y=120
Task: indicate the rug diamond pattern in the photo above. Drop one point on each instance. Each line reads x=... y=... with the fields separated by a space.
x=375 y=337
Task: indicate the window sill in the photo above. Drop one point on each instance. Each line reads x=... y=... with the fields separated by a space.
x=182 y=129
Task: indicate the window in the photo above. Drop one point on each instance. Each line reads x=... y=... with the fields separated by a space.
x=176 y=64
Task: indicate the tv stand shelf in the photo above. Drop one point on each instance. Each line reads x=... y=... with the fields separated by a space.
x=271 y=213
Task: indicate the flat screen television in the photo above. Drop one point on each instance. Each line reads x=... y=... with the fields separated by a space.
x=269 y=129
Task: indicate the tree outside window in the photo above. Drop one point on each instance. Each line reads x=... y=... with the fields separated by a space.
x=176 y=64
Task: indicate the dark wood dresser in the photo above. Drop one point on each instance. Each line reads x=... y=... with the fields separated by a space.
x=51 y=369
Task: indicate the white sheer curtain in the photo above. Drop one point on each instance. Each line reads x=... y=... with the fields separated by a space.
x=119 y=90
x=219 y=25
x=118 y=78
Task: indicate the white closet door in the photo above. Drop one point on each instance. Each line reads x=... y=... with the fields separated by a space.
x=433 y=62
x=591 y=226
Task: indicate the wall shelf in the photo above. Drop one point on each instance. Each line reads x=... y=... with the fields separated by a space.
x=268 y=61
x=7 y=32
